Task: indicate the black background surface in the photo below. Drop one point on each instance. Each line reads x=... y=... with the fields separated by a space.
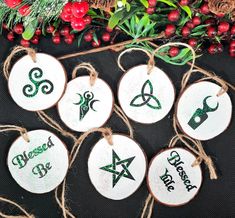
x=215 y=199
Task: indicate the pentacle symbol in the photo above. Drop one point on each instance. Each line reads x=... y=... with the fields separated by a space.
x=112 y=168
x=46 y=85
x=145 y=97
x=86 y=102
x=200 y=115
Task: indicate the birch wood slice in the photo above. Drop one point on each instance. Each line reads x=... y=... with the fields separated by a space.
x=38 y=166
x=117 y=170
x=84 y=106
x=146 y=98
x=202 y=114
x=37 y=86
x=171 y=178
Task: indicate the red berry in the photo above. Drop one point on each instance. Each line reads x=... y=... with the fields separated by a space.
x=24 y=43
x=184 y=2
x=192 y=42
x=220 y=15
x=174 y=15
x=150 y=10
x=170 y=30
x=65 y=31
x=152 y=3
x=35 y=40
x=88 y=37
x=106 y=37
x=232 y=44
x=72 y=35
x=68 y=8
x=190 y=24
x=56 y=33
x=18 y=28
x=38 y=32
x=24 y=10
x=212 y=49
x=185 y=31
x=87 y=19
x=69 y=39
x=50 y=29
x=108 y=29
x=205 y=9
x=56 y=40
x=211 y=32
x=223 y=27
x=65 y=17
x=220 y=47
x=96 y=44
x=232 y=30
x=10 y=36
x=173 y=51
x=4 y=26
x=79 y=9
x=78 y=23
x=196 y=20
x=12 y=3
x=232 y=52
x=210 y=22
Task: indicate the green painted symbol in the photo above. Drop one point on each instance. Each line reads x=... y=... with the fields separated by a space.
x=112 y=168
x=145 y=97
x=86 y=102
x=200 y=115
x=31 y=90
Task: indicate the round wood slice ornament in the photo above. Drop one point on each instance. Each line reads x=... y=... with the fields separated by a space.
x=117 y=170
x=146 y=98
x=85 y=106
x=201 y=113
x=38 y=85
x=41 y=164
x=171 y=179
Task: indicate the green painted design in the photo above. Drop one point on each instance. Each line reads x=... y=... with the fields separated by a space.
x=112 y=168
x=200 y=115
x=32 y=90
x=145 y=97
x=86 y=102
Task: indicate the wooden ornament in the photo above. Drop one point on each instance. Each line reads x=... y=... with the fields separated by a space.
x=85 y=106
x=146 y=98
x=39 y=85
x=201 y=113
x=117 y=170
x=41 y=164
x=171 y=179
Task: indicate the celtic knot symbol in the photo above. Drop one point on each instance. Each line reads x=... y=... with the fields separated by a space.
x=145 y=97
x=34 y=75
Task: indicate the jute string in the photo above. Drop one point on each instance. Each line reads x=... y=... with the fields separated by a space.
x=21 y=130
x=93 y=73
x=26 y=214
x=18 y=49
x=24 y=134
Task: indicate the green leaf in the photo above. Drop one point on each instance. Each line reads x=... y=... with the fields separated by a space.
x=115 y=18
x=144 y=3
x=168 y=2
x=30 y=30
x=144 y=21
x=187 y=10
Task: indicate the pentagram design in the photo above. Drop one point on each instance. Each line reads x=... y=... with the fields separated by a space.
x=86 y=102
x=145 y=97
x=124 y=164
x=34 y=75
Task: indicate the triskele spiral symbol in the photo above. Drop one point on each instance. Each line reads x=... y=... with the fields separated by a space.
x=145 y=97
x=31 y=90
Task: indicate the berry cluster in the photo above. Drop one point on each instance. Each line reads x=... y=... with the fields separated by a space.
x=23 y=10
x=75 y=13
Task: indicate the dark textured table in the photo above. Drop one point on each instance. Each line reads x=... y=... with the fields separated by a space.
x=215 y=199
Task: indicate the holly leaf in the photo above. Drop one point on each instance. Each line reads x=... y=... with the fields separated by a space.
x=168 y=2
x=187 y=10
x=144 y=3
x=30 y=30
